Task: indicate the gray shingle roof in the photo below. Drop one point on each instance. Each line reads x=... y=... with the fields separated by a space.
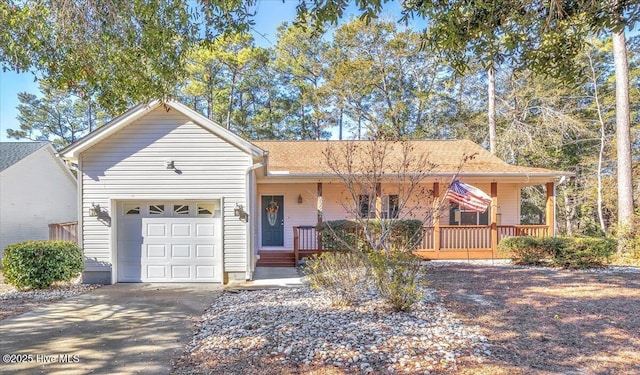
x=13 y=152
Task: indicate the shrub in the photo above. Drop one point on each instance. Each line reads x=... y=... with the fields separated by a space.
x=38 y=264
x=587 y=252
x=396 y=278
x=629 y=245
x=403 y=234
x=343 y=277
x=567 y=252
x=335 y=234
x=525 y=250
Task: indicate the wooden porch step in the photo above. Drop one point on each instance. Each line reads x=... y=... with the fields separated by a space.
x=276 y=259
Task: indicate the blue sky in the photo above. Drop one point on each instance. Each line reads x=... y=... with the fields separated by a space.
x=270 y=14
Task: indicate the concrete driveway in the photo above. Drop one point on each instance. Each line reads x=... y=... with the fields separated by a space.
x=117 y=329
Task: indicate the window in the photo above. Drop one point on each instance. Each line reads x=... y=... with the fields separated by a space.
x=156 y=209
x=463 y=217
x=365 y=209
x=181 y=210
x=205 y=209
x=390 y=208
x=131 y=209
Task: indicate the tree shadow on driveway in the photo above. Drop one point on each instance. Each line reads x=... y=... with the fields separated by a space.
x=122 y=328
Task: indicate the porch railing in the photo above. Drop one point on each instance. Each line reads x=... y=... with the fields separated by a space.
x=454 y=241
x=64 y=231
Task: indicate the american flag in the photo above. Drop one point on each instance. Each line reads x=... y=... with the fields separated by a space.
x=468 y=197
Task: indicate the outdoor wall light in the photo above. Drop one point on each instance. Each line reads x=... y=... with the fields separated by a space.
x=95 y=210
x=300 y=198
x=169 y=164
x=241 y=213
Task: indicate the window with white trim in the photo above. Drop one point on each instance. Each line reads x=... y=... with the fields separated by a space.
x=205 y=209
x=156 y=209
x=181 y=210
x=458 y=216
x=390 y=206
x=131 y=209
x=365 y=207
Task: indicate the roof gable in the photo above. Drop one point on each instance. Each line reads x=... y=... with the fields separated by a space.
x=13 y=152
x=72 y=151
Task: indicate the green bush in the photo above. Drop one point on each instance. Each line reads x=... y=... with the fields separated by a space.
x=340 y=234
x=341 y=276
x=630 y=239
x=525 y=250
x=567 y=252
x=396 y=277
x=403 y=234
x=38 y=264
x=587 y=252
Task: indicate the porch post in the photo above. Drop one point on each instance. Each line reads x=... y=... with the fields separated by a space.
x=550 y=211
x=436 y=218
x=378 y=201
x=494 y=219
x=319 y=211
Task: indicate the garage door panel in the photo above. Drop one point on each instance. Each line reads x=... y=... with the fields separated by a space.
x=205 y=251
x=205 y=272
x=181 y=230
x=155 y=230
x=156 y=251
x=205 y=230
x=181 y=272
x=181 y=251
x=156 y=272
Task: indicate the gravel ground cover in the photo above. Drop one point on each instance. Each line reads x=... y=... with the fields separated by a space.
x=298 y=331
x=486 y=317
x=14 y=302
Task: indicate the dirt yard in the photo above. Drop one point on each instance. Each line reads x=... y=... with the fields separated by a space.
x=543 y=321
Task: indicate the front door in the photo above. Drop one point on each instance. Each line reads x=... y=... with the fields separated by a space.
x=273 y=220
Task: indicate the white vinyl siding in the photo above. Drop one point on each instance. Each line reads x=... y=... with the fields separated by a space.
x=35 y=192
x=131 y=163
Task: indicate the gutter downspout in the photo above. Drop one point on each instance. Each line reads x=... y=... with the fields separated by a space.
x=250 y=200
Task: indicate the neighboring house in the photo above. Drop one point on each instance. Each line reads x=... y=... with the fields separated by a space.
x=169 y=196
x=36 y=189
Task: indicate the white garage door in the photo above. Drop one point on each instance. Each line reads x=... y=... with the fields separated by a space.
x=169 y=242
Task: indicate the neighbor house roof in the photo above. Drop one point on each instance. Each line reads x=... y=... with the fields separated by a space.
x=72 y=151
x=13 y=152
x=307 y=158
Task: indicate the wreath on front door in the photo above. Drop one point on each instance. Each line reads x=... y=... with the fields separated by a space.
x=272 y=212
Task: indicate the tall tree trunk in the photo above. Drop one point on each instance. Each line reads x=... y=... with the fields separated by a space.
x=230 y=104
x=603 y=139
x=623 y=133
x=568 y=213
x=491 y=91
x=340 y=125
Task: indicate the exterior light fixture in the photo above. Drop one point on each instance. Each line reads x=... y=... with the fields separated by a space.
x=169 y=164
x=94 y=210
x=300 y=198
x=241 y=213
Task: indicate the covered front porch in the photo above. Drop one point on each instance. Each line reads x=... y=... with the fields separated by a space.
x=444 y=242
x=438 y=240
